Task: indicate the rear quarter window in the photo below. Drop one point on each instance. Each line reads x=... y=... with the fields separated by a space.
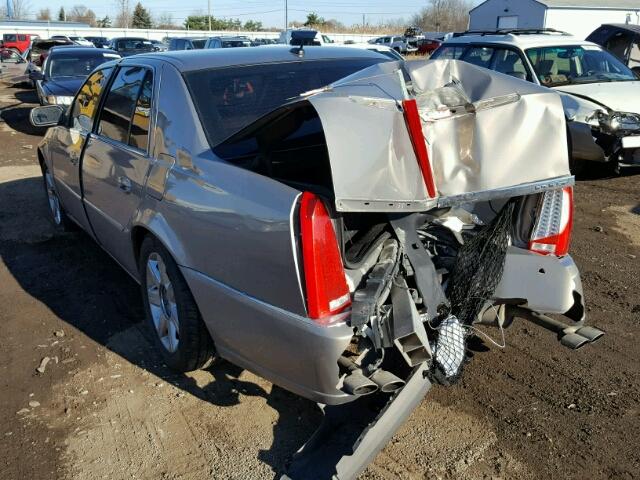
x=450 y=52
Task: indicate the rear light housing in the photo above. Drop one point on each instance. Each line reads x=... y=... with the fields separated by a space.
x=551 y=233
x=414 y=125
x=326 y=284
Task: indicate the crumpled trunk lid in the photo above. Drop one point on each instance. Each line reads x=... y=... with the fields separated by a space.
x=462 y=107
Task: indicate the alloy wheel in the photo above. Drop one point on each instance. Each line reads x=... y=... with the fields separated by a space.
x=52 y=196
x=162 y=302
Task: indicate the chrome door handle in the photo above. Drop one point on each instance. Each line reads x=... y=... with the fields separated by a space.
x=124 y=184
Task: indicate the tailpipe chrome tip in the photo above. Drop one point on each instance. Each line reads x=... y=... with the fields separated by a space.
x=590 y=333
x=387 y=381
x=357 y=384
x=574 y=341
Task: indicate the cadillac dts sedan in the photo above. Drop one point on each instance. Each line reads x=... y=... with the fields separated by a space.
x=336 y=221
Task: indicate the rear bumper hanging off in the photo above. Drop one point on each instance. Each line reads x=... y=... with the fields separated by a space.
x=351 y=435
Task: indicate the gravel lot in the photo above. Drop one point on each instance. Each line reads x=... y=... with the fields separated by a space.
x=106 y=407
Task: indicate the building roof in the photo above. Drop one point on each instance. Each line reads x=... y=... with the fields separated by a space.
x=189 y=60
x=603 y=4
x=578 y=4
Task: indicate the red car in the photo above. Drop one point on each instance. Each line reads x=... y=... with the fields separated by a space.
x=427 y=46
x=18 y=41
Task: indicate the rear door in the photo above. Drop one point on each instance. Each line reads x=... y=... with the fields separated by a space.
x=117 y=159
x=66 y=151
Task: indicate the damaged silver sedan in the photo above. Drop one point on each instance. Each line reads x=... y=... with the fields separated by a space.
x=334 y=221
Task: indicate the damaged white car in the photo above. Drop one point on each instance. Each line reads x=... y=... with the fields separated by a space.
x=600 y=93
x=336 y=222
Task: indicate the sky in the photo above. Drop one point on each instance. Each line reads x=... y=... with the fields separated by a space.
x=269 y=12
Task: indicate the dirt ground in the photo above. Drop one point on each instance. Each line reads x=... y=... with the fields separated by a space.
x=106 y=407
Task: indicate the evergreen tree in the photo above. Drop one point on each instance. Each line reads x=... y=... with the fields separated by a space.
x=61 y=15
x=141 y=17
x=105 y=22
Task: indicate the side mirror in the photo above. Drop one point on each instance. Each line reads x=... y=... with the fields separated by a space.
x=36 y=75
x=46 y=116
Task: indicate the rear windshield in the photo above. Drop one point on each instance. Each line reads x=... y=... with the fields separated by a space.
x=229 y=99
x=9 y=37
x=135 y=44
x=235 y=43
x=76 y=64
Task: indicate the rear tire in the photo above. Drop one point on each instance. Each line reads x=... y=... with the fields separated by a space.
x=172 y=314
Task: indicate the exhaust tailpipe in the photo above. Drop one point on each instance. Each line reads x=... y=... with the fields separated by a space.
x=387 y=381
x=355 y=383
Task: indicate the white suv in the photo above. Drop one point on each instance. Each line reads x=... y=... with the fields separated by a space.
x=601 y=95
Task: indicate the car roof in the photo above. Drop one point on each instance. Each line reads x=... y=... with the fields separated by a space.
x=189 y=38
x=522 y=41
x=81 y=48
x=624 y=26
x=130 y=38
x=190 y=60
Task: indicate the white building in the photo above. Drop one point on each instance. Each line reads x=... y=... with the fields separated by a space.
x=578 y=17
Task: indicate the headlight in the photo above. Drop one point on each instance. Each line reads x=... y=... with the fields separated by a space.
x=59 y=100
x=619 y=122
x=622 y=121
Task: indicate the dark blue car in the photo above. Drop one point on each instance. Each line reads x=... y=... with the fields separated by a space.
x=65 y=69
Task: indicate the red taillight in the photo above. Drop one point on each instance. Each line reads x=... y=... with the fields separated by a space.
x=326 y=284
x=552 y=230
x=414 y=125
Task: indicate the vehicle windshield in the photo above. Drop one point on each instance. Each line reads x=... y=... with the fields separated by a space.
x=198 y=43
x=575 y=64
x=229 y=99
x=75 y=64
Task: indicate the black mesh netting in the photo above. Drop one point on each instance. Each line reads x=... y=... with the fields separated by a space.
x=477 y=270
x=479 y=266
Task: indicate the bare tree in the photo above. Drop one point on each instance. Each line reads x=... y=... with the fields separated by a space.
x=165 y=21
x=20 y=8
x=82 y=14
x=123 y=17
x=44 y=14
x=444 y=16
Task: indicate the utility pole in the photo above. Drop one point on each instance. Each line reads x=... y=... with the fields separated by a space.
x=363 y=21
x=286 y=15
x=209 y=10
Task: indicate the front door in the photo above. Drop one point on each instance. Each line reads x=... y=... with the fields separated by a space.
x=116 y=161
x=66 y=150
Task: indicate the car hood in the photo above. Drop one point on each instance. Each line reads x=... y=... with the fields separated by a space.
x=616 y=96
x=64 y=87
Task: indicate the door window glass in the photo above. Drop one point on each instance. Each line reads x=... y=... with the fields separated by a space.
x=480 y=56
x=120 y=104
x=509 y=62
x=449 y=52
x=84 y=108
x=619 y=44
x=142 y=115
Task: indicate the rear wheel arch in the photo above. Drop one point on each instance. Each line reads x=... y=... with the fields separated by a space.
x=195 y=348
